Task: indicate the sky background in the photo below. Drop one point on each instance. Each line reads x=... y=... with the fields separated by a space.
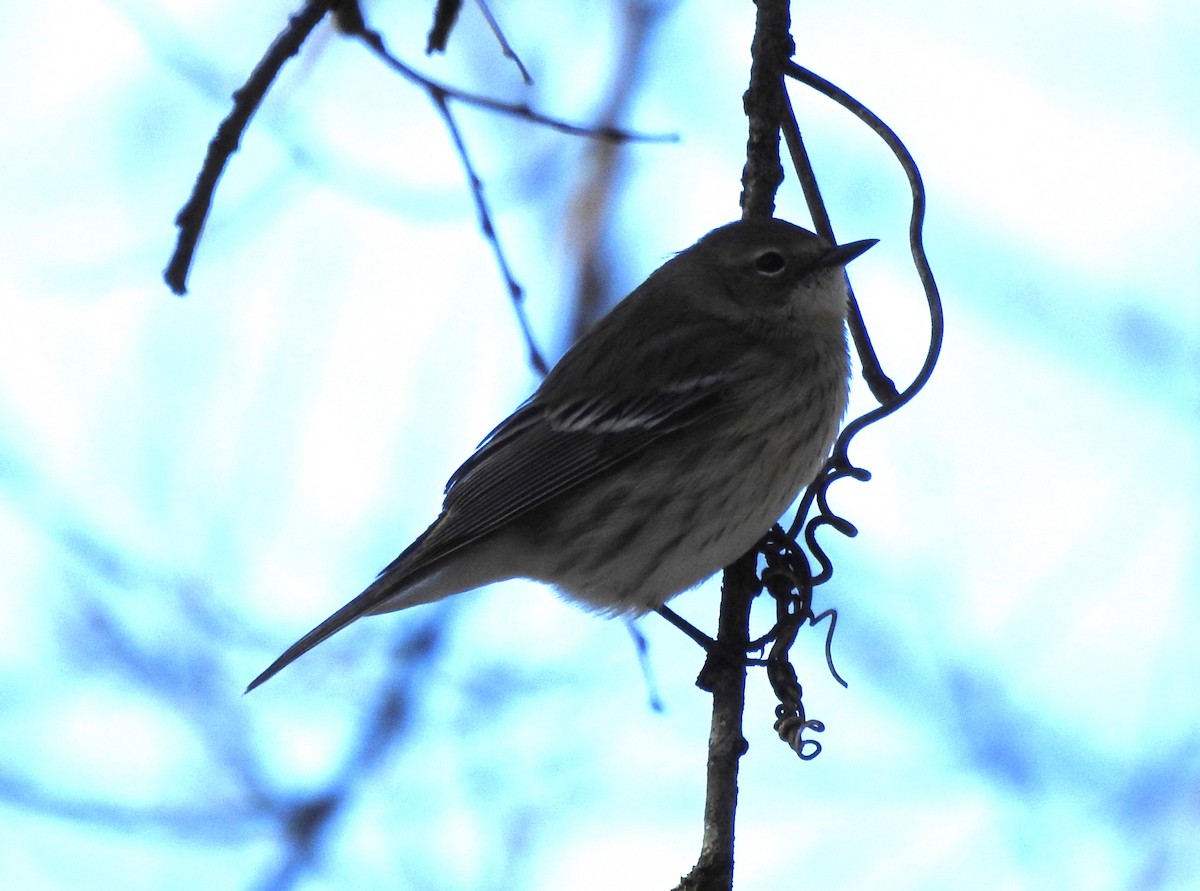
x=187 y=485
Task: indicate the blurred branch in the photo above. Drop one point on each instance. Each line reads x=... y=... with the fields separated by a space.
x=445 y=15
x=505 y=46
x=178 y=670
x=166 y=654
x=306 y=822
x=601 y=168
x=220 y=821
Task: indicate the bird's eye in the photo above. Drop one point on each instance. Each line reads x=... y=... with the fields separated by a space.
x=770 y=263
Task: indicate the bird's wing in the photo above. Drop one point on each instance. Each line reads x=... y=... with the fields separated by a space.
x=539 y=453
x=544 y=451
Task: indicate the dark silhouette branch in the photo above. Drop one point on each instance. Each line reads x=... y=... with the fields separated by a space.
x=228 y=137
x=764 y=103
x=445 y=16
x=788 y=576
x=349 y=20
x=515 y=292
x=511 y=109
x=723 y=675
x=916 y=225
x=880 y=384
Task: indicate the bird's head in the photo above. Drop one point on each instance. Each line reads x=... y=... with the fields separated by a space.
x=768 y=270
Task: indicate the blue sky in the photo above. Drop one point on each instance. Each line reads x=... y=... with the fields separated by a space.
x=188 y=485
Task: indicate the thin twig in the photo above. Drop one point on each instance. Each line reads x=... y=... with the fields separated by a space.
x=516 y=292
x=792 y=721
x=916 y=244
x=246 y=100
x=691 y=631
x=441 y=95
x=514 y=109
x=505 y=46
x=880 y=384
x=225 y=141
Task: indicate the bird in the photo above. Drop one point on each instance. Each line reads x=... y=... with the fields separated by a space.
x=660 y=448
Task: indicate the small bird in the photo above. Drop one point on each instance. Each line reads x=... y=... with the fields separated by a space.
x=662 y=445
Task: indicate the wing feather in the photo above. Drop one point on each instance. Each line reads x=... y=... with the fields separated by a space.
x=542 y=452
x=536 y=455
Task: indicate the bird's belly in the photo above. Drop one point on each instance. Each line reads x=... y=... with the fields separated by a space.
x=634 y=544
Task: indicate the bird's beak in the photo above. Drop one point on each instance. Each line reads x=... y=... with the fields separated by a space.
x=844 y=253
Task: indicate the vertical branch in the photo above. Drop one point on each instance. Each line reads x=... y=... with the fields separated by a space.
x=602 y=166
x=724 y=674
x=764 y=102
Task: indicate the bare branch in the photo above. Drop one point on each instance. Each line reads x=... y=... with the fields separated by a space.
x=224 y=143
x=515 y=291
x=764 y=101
x=218 y=821
x=916 y=225
x=441 y=95
x=513 y=109
x=445 y=15
x=880 y=384
x=724 y=674
x=505 y=46
x=246 y=100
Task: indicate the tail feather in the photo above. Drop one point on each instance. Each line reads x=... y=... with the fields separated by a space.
x=416 y=576
x=356 y=608
x=391 y=590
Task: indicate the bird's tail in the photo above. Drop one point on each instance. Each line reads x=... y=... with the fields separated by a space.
x=411 y=579
x=388 y=588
